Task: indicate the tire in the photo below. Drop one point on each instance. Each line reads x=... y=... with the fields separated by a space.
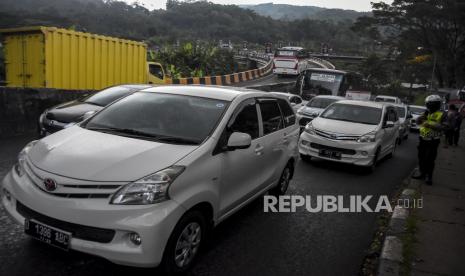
x=191 y=223
x=306 y=158
x=406 y=137
x=284 y=180
x=399 y=141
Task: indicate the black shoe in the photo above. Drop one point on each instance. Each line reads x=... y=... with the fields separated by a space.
x=429 y=180
x=418 y=175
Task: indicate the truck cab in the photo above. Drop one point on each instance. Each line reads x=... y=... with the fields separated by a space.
x=155 y=73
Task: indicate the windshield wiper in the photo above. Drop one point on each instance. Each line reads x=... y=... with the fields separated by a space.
x=155 y=137
x=350 y=121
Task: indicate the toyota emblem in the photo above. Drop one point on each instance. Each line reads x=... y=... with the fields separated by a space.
x=50 y=184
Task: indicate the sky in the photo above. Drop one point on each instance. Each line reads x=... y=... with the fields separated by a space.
x=358 y=5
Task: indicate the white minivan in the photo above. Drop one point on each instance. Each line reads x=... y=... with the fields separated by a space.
x=141 y=182
x=355 y=132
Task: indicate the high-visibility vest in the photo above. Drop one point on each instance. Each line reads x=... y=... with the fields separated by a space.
x=432 y=119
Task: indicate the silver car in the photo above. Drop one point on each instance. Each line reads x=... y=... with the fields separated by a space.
x=404 y=119
x=314 y=107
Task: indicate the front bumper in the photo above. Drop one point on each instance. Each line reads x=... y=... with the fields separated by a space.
x=352 y=152
x=153 y=223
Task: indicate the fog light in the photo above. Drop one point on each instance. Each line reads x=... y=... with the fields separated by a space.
x=135 y=238
x=365 y=153
x=305 y=143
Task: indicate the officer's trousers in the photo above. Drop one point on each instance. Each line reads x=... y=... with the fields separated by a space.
x=427 y=152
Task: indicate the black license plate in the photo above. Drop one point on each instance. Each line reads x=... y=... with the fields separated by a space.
x=47 y=234
x=330 y=154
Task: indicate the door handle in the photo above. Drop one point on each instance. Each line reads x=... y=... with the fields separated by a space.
x=259 y=150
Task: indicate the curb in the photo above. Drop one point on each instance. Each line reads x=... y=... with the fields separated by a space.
x=391 y=253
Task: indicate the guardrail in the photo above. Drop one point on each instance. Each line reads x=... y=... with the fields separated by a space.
x=231 y=78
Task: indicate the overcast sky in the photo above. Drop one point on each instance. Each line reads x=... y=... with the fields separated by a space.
x=359 y=5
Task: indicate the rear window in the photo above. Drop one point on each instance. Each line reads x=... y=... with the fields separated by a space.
x=285 y=53
x=387 y=100
x=108 y=95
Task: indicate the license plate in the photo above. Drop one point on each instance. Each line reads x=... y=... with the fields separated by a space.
x=330 y=154
x=47 y=234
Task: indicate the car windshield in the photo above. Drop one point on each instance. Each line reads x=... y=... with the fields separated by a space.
x=400 y=111
x=320 y=102
x=417 y=110
x=169 y=118
x=353 y=113
x=387 y=100
x=108 y=95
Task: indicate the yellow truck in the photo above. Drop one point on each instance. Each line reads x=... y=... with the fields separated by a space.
x=49 y=57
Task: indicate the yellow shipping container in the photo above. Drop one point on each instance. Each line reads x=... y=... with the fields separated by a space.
x=65 y=59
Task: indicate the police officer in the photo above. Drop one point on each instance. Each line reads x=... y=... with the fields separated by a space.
x=432 y=124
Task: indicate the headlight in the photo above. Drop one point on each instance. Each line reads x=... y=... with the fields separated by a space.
x=367 y=138
x=148 y=190
x=309 y=129
x=19 y=166
x=300 y=112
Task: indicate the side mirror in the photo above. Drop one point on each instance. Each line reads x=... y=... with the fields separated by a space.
x=389 y=124
x=239 y=140
x=409 y=116
x=88 y=114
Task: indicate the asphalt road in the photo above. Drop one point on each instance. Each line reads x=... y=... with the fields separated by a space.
x=251 y=242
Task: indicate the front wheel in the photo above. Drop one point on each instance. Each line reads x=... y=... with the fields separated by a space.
x=283 y=181
x=374 y=163
x=185 y=242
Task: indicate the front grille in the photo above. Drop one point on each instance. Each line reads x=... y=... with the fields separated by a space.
x=336 y=136
x=78 y=231
x=91 y=190
x=304 y=121
x=341 y=150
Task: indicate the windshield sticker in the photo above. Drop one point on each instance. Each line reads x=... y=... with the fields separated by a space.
x=323 y=77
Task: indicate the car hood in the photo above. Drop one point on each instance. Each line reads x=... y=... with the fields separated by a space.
x=312 y=110
x=90 y=155
x=70 y=112
x=342 y=127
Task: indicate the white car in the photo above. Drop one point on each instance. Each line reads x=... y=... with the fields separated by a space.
x=295 y=100
x=404 y=121
x=142 y=181
x=355 y=132
x=314 y=107
x=416 y=111
x=388 y=99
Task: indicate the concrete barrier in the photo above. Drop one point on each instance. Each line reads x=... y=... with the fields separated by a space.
x=20 y=108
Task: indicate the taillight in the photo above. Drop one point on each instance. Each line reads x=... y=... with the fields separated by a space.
x=274 y=65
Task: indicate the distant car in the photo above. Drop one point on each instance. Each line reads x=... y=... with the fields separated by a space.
x=388 y=99
x=354 y=132
x=404 y=121
x=314 y=107
x=62 y=115
x=295 y=100
x=416 y=111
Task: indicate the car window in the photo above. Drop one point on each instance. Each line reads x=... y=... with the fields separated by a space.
x=106 y=96
x=353 y=113
x=271 y=116
x=401 y=111
x=296 y=100
x=392 y=115
x=246 y=120
x=288 y=113
x=161 y=117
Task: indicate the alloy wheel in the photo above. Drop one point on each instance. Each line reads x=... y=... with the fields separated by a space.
x=188 y=244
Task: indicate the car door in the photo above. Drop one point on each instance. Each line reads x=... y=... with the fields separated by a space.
x=387 y=142
x=241 y=169
x=274 y=140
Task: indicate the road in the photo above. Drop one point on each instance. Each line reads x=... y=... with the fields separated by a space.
x=251 y=242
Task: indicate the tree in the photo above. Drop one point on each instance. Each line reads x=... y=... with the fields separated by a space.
x=434 y=25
